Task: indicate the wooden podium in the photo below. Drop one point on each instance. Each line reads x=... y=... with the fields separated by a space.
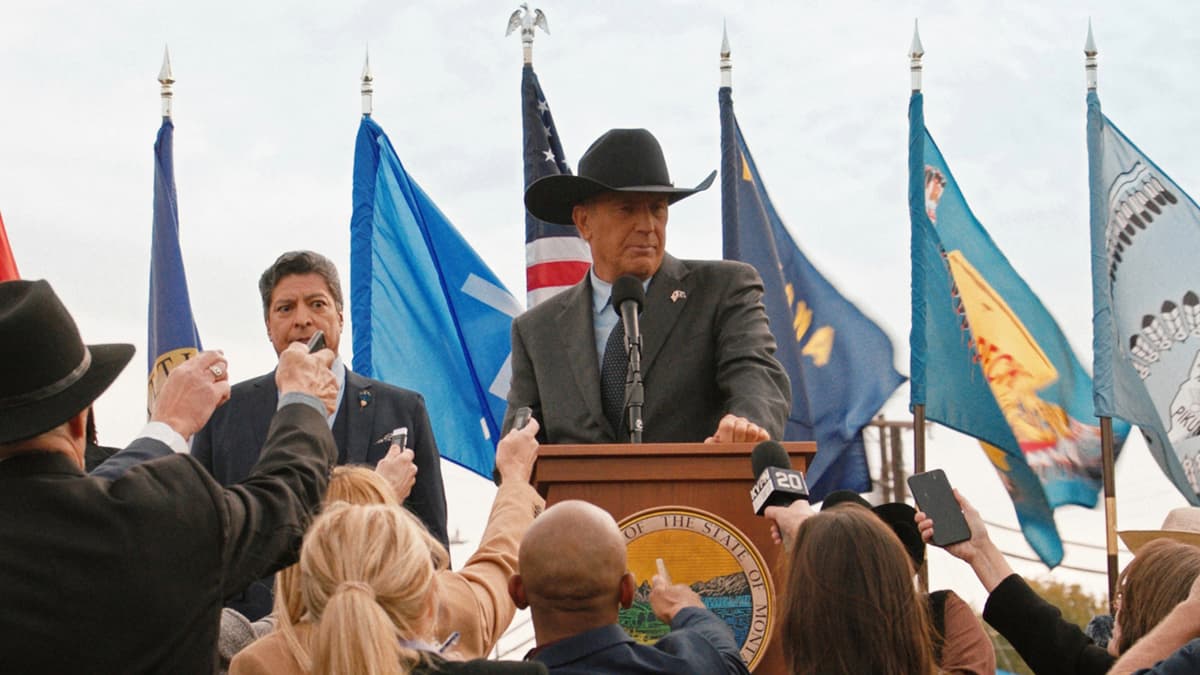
x=627 y=479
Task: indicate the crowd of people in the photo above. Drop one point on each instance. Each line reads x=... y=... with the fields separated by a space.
x=280 y=525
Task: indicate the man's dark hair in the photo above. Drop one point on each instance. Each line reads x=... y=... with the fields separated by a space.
x=299 y=262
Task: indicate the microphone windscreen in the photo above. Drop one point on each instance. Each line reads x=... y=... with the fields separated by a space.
x=769 y=453
x=628 y=287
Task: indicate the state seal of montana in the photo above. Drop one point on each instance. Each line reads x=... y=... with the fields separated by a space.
x=712 y=557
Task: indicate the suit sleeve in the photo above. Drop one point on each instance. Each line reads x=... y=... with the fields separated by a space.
x=266 y=514
x=1047 y=642
x=522 y=390
x=202 y=445
x=140 y=450
x=428 y=497
x=702 y=638
x=750 y=377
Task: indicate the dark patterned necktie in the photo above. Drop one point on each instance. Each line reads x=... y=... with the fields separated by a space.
x=612 y=377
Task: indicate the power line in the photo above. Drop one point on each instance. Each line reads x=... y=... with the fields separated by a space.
x=1065 y=566
x=1009 y=528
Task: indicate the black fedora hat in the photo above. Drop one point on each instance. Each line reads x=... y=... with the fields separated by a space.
x=47 y=374
x=622 y=160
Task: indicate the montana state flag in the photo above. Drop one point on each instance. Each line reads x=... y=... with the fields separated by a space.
x=839 y=361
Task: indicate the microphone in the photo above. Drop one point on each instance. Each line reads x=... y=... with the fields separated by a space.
x=778 y=484
x=628 y=296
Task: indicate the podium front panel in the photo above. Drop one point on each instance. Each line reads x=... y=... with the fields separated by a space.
x=629 y=479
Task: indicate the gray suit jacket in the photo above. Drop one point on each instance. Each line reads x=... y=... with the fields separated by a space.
x=706 y=351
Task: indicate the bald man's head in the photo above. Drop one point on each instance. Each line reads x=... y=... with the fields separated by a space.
x=572 y=559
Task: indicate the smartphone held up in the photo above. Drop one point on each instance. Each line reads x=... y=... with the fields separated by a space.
x=935 y=497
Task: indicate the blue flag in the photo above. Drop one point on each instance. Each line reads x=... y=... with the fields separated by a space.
x=427 y=312
x=840 y=362
x=989 y=360
x=173 y=337
x=1146 y=295
x=555 y=255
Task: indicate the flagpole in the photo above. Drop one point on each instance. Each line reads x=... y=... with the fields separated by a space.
x=367 y=87
x=726 y=60
x=1106 y=430
x=914 y=54
x=166 y=79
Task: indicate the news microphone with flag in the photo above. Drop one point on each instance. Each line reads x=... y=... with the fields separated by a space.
x=777 y=484
x=628 y=296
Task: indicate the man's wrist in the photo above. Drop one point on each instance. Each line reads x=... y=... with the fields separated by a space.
x=1189 y=612
x=165 y=434
x=301 y=397
x=514 y=476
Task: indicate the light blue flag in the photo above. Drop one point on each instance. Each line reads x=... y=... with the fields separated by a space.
x=989 y=360
x=1146 y=295
x=427 y=312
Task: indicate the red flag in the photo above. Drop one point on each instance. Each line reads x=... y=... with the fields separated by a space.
x=8 y=266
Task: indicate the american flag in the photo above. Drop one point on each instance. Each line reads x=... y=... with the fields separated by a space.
x=555 y=256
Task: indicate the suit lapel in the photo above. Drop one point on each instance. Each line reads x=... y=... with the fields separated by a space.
x=579 y=344
x=360 y=419
x=264 y=403
x=661 y=312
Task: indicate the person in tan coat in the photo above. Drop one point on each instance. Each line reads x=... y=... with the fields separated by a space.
x=473 y=601
x=368 y=580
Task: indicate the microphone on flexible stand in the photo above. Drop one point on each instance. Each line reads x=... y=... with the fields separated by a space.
x=778 y=484
x=628 y=296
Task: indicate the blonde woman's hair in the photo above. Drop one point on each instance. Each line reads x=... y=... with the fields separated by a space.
x=366 y=579
x=354 y=485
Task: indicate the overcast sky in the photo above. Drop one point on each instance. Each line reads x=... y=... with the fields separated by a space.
x=267 y=106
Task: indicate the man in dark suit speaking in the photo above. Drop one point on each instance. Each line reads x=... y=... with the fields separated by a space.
x=707 y=356
x=301 y=294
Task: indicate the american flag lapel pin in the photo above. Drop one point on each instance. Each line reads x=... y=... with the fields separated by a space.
x=677 y=295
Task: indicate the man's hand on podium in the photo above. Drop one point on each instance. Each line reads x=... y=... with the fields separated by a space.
x=734 y=429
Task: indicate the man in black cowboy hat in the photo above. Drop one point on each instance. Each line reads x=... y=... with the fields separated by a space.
x=127 y=575
x=707 y=356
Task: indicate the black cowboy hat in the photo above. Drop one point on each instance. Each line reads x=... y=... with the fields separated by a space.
x=47 y=374
x=622 y=160
x=897 y=515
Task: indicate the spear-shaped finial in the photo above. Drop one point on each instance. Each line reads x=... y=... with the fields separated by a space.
x=726 y=62
x=1089 y=50
x=166 y=80
x=368 y=87
x=914 y=54
x=527 y=21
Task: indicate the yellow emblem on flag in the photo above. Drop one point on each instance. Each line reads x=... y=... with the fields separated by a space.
x=163 y=366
